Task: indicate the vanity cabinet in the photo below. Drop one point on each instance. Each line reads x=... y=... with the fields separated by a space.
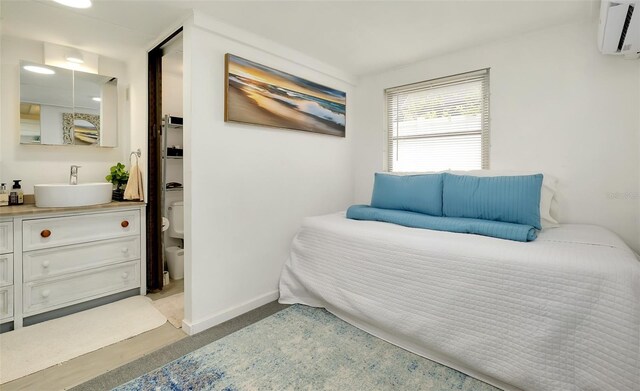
x=6 y=271
x=55 y=261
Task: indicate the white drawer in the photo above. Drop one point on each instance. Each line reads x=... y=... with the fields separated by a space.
x=49 y=294
x=61 y=231
x=6 y=302
x=6 y=237
x=6 y=269
x=53 y=262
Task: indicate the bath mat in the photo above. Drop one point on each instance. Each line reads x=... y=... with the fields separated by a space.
x=34 y=348
x=173 y=308
x=303 y=348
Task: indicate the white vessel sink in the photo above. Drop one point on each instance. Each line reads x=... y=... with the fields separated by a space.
x=63 y=195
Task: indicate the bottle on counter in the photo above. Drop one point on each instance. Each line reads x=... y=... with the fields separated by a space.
x=4 y=196
x=17 y=196
x=13 y=198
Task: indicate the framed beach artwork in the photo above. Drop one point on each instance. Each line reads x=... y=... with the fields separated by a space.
x=260 y=95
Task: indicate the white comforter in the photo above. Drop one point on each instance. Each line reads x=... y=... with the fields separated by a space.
x=559 y=313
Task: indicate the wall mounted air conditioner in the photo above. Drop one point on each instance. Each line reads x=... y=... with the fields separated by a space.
x=619 y=31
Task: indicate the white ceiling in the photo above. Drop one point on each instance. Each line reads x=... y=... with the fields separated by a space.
x=359 y=37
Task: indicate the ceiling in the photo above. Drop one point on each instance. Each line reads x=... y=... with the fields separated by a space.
x=359 y=37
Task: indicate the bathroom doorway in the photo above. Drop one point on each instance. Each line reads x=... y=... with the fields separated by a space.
x=172 y=163
x=165 y=217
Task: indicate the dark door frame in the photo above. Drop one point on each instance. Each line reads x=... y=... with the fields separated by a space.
x=155 y=256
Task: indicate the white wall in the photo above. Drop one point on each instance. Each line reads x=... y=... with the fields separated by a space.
x=557 y=105
x=249 y=187
x=2 y=88
x=26 y=162
x=138 y=111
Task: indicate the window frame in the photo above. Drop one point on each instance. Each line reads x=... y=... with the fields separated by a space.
x=482 y=75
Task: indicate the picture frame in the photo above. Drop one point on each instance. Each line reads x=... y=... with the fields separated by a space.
x=260 y=95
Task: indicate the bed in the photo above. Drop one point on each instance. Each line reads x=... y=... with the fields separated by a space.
x=559 y=313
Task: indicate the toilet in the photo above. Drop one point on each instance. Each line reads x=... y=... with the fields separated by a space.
x=175 y=254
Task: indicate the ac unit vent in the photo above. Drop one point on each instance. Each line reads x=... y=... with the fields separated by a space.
x=625 y=29
x=619 y=29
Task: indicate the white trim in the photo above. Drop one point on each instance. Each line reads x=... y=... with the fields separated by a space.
x=143 y=250
x=167 y=32
x=258 y=42
x=18 y=305
x=192 y=328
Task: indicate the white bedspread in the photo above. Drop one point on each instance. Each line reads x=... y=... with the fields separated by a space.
x=559 y=313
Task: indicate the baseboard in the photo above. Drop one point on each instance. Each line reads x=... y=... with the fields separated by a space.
x=192 y=328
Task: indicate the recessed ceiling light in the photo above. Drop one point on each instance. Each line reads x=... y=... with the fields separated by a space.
x=97 y=99
x=75 y=3
x=41 y=70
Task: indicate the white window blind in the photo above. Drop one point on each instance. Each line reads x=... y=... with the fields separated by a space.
x=440 y=124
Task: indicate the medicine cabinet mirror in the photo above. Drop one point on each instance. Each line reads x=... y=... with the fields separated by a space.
x=60 y=106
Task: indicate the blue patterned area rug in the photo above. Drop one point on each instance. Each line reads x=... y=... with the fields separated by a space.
x=303 y=348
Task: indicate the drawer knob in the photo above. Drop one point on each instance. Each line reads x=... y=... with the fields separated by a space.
x=125 y=250
x=125 y=275
x=124 y=224
x=45 y=264
x=45 y=233
x=45 y=293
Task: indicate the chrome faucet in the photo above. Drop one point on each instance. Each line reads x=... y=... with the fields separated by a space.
x=73 y=178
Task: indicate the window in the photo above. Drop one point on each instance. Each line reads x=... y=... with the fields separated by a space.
x=440 y=124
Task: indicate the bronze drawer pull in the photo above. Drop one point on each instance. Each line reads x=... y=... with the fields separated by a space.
x=45 y=233
x=124 y=224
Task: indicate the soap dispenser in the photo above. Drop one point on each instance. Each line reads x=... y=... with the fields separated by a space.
x=17 y=196
x=4 y=196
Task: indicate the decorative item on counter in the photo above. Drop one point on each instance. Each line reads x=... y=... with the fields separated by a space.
x=4 y=196
x=16 y=197
x=118 y=177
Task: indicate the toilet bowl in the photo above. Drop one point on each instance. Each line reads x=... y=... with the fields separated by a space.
x=176 y=220
x=175 y=255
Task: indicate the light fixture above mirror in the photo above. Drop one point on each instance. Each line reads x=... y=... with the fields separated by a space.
x=75 y=3
x=71 y=58
x=75 y=58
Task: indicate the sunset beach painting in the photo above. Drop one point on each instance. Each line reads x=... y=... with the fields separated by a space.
x=260 y=95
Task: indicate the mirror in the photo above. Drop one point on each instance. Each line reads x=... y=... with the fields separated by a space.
x=59 y=106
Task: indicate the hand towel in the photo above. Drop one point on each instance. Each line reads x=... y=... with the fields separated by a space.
x=134 y=191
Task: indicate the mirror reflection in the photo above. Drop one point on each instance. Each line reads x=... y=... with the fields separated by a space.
x=45 y=94
x=63 y=107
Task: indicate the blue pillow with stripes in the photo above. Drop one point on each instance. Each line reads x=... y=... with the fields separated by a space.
x=414 y=193
x=511 y=199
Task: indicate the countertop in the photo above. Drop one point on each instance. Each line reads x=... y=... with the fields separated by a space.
x=32 y=209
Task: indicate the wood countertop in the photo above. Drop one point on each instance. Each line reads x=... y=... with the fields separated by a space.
x=32 y=209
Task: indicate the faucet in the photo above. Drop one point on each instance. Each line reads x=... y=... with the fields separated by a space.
x=73 y=178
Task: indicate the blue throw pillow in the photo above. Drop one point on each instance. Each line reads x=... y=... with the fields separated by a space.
x=512 y=199
x=414 y=193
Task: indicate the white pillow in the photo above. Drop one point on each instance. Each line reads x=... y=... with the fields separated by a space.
x=548 y=191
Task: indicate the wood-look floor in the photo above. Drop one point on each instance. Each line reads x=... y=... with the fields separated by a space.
x=90 y=365
x=175 y=286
